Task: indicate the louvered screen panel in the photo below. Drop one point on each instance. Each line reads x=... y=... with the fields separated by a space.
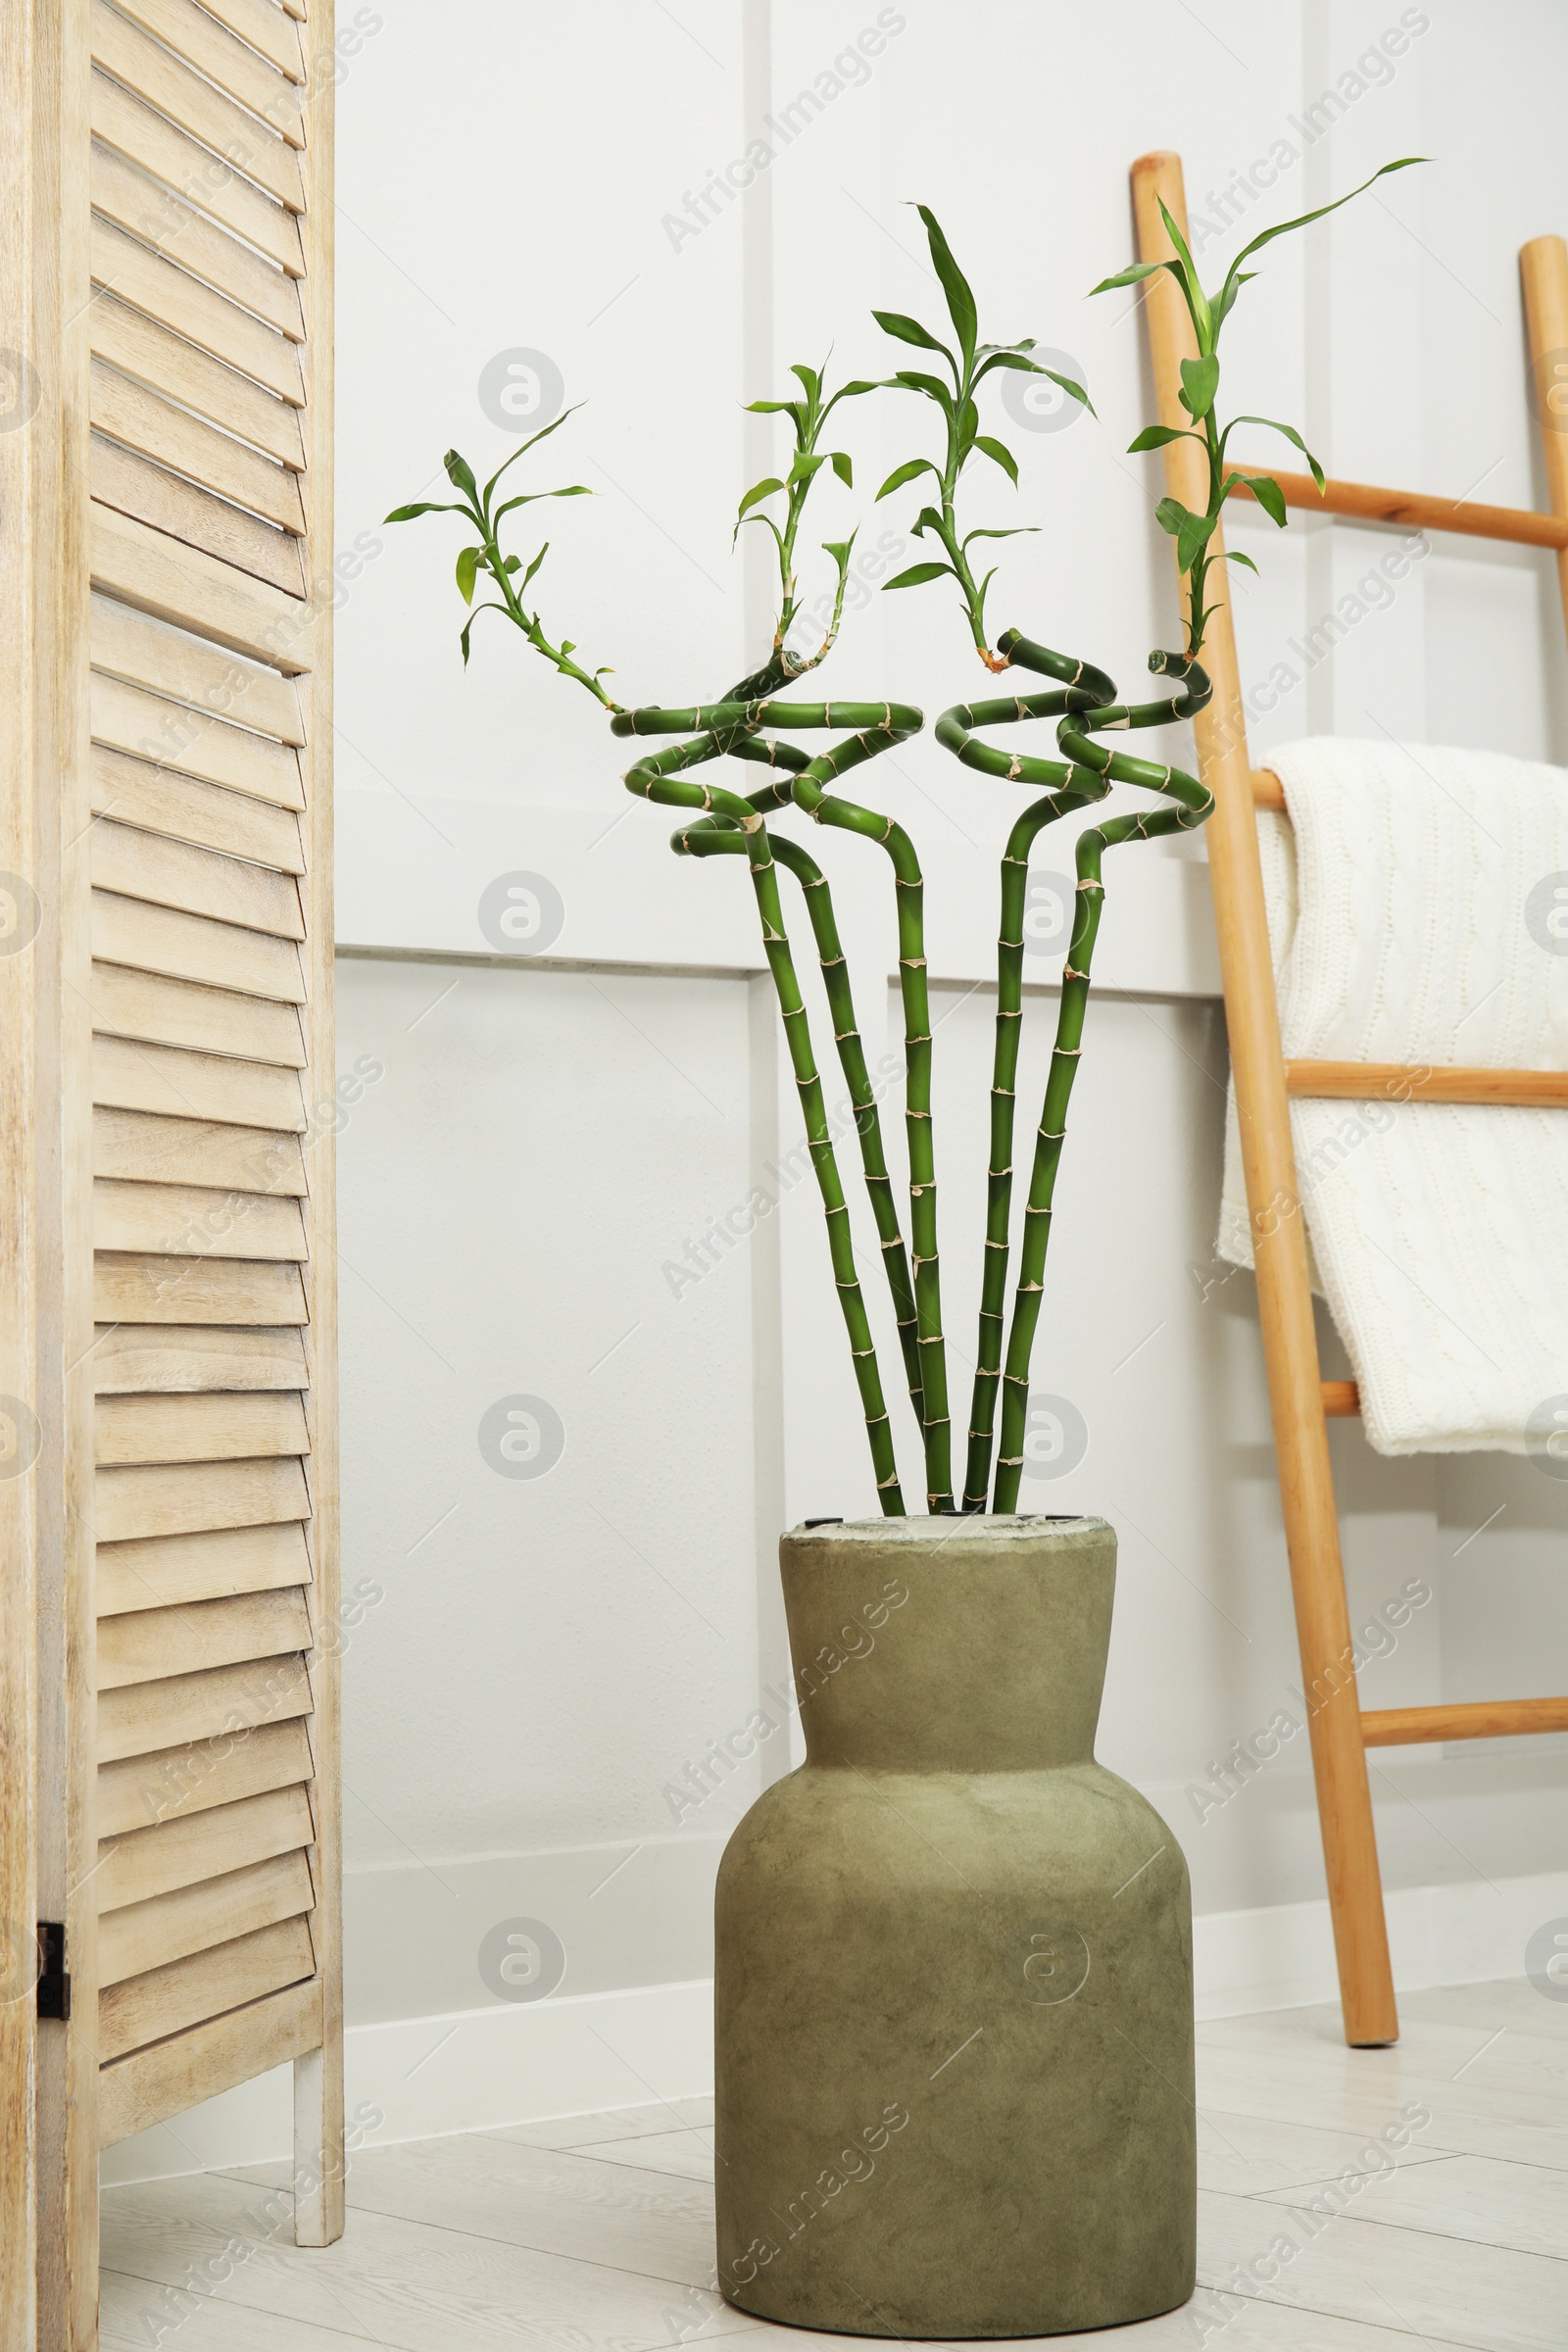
x=212 y=1078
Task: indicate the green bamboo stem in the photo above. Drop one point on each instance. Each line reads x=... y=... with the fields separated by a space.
x=1193 y=804
x=879 y=727
x=705 y=839
x=952 y=731
x=657 y=779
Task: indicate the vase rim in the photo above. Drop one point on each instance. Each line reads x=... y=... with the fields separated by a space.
x=922 y=1526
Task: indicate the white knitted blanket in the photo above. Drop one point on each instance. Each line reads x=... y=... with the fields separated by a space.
x=1419 y=913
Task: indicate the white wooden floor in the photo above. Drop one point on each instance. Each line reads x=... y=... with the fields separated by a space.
x=594 y=2235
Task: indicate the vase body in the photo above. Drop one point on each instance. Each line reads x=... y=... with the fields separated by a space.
x=954 y=1967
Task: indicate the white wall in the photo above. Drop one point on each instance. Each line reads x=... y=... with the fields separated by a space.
x=537 y=1661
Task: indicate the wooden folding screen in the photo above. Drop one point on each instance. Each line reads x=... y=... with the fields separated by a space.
x=168 y=1769
x=1341 y=1731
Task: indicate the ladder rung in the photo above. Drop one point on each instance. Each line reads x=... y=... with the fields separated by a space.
x=1486 y=1719
x=1362 y=502
x=1406 y=1082
x=1342 y=1399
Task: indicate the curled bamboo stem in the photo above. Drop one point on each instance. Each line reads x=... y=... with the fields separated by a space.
x=659 y=778
x=953 y=732
x=1192 y=804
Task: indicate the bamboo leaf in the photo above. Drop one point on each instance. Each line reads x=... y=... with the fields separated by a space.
x=1170 y=514
x=1200 y=383
x=1066 y=384
x=1191 y=539
x=1304 y=220
x=758 y=490
x=777 y=408
x=426 y=506
x=999 y=454
x=1155 y=436
x=907 y=474
x=1187 y=277
x=918 y=575
x=928 y=520
x=843 y=469
x=521 y=451
x=1018 y=530
x=908 y=330
x=1291 y=435
x=954 y=285
x=468 y=568
x=460 y=473
x=533 y=567
x=526 y=498
x=934 y=389
x=806 y=464
x=1133 y=275
x=1268 y=494
x=1234 y=554
x=808 y=377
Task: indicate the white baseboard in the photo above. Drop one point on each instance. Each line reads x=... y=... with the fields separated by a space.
x=425 y=2077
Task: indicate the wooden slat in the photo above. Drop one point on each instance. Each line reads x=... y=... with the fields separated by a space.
x=131 y=1003
x=1417 y=511
x=144 y=208
x=1398 y=1082
x=1342 y=1399
x=1267 y=791
x=195 y=1086
x=138 y=346
x=165 y=1571
x=266 y=29
x=168 y=1927
x=186 y=1992
x=135 y=486
x=223 y=1703
x=145 y=653
x=197 y=592
x=192 y=947
x=192 y=33
x=124 y=267
x=188 y=1220
x=148 y=1645
x=168 y=1783
x=171 y=1854
x=226 y=1426
x=186 y=1497
x=141 y=2091
x=168 y=873
x=132 y=1289
x=181 y=808
x=133 y=1359
x=151 y=141
x=170 y=735
x=140 y=1149
x=156 y=428
x=1485 y=1719
x=196 y=107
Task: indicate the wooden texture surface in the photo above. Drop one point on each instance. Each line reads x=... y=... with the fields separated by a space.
x=166 y=2077
x=1401 y=1082
x=1481 y=1719
x=1279 y=1236
x=1360 y=502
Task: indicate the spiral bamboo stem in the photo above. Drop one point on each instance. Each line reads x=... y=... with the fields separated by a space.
x=734 y=726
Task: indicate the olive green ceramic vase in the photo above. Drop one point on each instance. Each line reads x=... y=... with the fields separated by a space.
x=955 y=2003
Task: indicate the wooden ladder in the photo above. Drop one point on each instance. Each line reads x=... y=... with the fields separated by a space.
x=1302 y=1400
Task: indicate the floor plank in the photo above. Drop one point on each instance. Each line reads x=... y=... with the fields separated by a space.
x=552 y=2201
x=402 y=2284
x=688 y=2154
x=1473 y=2197
x=613 y=2123
x=1484 y=2297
